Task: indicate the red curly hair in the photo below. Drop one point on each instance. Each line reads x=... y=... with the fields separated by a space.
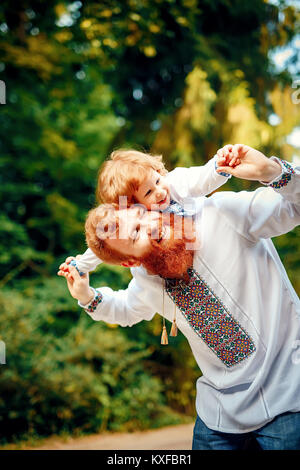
x=123 y=172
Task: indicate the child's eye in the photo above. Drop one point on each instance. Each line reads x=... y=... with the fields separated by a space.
x=148 y=192
x=157 y=181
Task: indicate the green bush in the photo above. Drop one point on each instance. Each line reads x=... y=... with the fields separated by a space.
x=88 y=379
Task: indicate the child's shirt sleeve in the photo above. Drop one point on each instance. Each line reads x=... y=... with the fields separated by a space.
x=88 y=262
x=197 y=181
x=268 y=211
x=126 y=307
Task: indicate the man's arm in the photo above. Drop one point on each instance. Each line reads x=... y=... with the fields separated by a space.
x=140 y=301
x=269 y=211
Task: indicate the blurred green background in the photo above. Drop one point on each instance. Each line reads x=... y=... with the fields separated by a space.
x=178 y=77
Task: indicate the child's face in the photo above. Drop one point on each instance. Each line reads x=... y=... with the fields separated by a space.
x=154 y=192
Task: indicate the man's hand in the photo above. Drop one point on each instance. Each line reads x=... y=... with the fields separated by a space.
x=78 y=285
x=254 y=165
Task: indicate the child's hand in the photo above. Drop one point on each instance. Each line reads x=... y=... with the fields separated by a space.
x=69 y=261
x=228 y=156
x=78 y=285
x=70 y=258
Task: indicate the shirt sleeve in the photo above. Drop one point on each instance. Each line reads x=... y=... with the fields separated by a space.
x=268 y=211
x=140 y=301
x=197 y=181
x=88 y=262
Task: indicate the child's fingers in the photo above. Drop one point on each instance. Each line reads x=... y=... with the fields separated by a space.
x=69 y=259
x=220 y=153
x=236 y=157
x=73 y=271
x=228 y=148
x=239 y=149
x=225 y=153
x=233 y=161
x=220 y=160
x=222 y=157
x=237 y=162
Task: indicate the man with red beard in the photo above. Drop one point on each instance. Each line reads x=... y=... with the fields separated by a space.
x=233 y=300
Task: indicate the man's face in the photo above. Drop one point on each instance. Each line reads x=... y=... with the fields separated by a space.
x=137 y=227
x=156 y=240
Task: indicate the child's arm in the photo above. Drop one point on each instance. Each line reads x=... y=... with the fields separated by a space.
x=140 y=301
x=197 y=180
x=86 y=262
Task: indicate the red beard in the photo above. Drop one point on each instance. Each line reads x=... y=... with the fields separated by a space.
x=170 y=258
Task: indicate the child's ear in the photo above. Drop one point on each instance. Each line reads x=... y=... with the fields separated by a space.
x=131 y=263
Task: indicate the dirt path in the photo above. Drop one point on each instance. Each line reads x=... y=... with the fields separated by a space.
x=168 y=438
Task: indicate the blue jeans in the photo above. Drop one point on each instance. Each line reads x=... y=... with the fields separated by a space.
x=283 y=433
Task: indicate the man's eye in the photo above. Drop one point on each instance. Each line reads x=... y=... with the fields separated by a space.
x=136 y=232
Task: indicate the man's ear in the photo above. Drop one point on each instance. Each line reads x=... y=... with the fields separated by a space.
x=131 y=263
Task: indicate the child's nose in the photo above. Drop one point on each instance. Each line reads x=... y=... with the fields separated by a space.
x=159 y=194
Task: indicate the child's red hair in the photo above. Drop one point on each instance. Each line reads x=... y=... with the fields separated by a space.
x=123 y=172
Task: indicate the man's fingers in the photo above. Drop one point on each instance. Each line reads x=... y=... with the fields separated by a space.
x=64 y=266
x=69 y=277
x=62 y=273
x=69 y=259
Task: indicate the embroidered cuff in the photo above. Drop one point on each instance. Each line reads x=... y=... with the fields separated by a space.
x=73 y=263
x=91 y=307
x=284 y=178
x=227 y=175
